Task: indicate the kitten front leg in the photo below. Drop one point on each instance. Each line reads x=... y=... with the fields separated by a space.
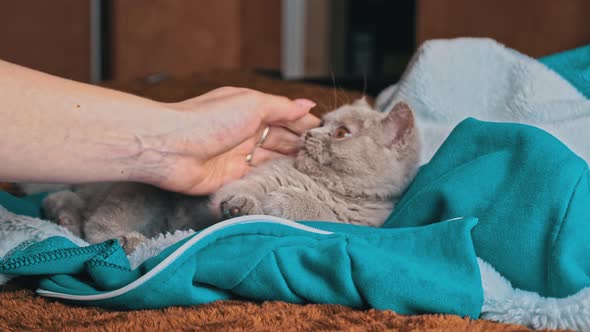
x=296 y=204
x=243 y=197
x=66 y=209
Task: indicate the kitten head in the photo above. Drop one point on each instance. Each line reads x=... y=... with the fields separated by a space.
x=358 y=151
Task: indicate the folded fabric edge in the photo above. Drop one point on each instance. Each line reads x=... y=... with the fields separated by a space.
x=572 y=65
x=25 y=229
x=178 y=253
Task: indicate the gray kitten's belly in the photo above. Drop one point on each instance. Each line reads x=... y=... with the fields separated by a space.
x=295 y=195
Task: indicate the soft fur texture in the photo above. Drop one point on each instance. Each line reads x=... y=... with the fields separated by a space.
x=351 y=170
x=503 y=303
x=130 y=212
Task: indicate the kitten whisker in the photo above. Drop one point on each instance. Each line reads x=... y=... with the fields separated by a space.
x=335 y=90
x=346 y=97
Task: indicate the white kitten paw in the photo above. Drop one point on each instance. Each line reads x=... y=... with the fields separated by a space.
x=130 y=241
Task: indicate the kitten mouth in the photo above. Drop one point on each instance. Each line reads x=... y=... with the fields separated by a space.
x=304 y=153
x=313 y=149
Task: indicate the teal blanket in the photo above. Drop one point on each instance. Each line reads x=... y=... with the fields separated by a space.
x=574 y=66
x=410 y=270
x=530 y=193
x=28 y=206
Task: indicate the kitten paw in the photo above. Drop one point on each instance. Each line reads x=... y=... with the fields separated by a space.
x=130 y=241
x=65 y=219
x=239 y=205
x=70 y=222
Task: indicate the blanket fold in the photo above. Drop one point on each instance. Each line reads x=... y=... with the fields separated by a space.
x=530 y=193
x=573 y=65
x=450 y=80
x=411 y=270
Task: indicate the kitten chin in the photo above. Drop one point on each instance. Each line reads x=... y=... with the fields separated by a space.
x=305 y=163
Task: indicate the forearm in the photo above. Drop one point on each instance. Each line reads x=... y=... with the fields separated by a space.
x=55 y=130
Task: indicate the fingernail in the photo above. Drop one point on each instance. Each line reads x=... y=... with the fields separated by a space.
x=304 y=103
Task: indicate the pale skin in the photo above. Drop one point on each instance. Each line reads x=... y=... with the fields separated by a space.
x=60 y=131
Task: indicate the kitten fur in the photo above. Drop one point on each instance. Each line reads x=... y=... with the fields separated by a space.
x=129 y=212
x=356 y=179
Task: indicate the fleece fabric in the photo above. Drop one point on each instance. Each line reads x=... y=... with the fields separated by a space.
x=530 y=193
x=411 y=271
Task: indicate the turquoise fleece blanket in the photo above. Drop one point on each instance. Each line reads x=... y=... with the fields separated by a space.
x=412 y=270
x=530 y=193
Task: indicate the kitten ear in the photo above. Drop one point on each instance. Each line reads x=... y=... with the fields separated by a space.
x=400 y=121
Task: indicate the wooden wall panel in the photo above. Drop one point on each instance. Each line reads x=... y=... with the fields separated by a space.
x=51 y=36
x=318 y=61
x=261 y=34
x=184 y=36
x=534 y=27
x=174 y=37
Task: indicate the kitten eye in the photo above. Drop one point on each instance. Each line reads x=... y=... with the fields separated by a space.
x=342 y=132
x=322 y=123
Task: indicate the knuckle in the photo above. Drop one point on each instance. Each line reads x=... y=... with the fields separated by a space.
x=254 y=97
x=225 y=89
x=243 y=90
x=231 y=89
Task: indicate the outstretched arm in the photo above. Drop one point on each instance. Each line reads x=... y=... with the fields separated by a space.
x=56 y=130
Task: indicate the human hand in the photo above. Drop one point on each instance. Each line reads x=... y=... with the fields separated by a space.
x=205 y=140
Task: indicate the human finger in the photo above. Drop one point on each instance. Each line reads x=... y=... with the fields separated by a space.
x=281 y=140
x=278 y=109
x=303 y=124
x=260 y=155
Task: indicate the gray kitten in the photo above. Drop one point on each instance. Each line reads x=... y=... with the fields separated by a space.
x=352 y=170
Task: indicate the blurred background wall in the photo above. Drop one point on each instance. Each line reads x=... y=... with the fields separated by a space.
x=53 y=36
x=128 y=39
x=358 y=43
